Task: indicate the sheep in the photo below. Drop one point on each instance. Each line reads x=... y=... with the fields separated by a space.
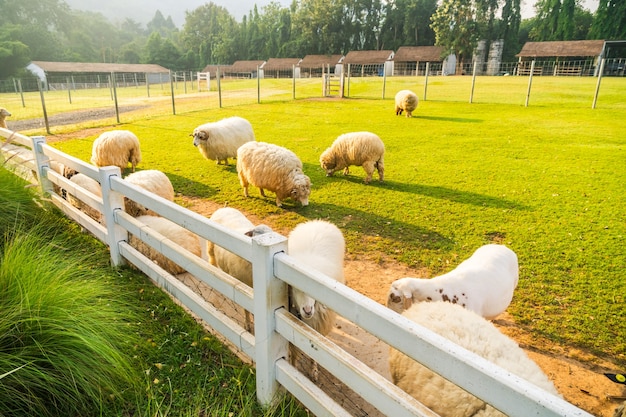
x=483 y=283
x=227 y=261
x=151 y=180
x=406 y=100
x=118 y=148
x=170 y=230
x=320 y=245
x=474 y=333
x=94 y=188
x=220 y=140
x=4 y=113
x=356 y=148
x=274 y=168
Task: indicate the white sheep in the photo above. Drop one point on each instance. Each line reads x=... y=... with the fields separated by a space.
x=364 y=149
x=227 y=261
x=274 y=168
x=406 y=100
x=93 y=187
x=474 y=333
x=484 y=283
x=220 y=140
x=177 y=234
x=117 y=148
x=320 y=245
x=4 y=113
x=151 y=180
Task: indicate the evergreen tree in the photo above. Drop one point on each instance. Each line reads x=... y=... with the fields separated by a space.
x=610 y=20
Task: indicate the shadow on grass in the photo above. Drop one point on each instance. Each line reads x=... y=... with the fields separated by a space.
x=448 y=119
x=189 y=187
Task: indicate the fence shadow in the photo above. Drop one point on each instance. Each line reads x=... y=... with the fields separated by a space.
x=190 y=187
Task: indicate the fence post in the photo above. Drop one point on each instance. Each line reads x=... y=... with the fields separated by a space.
x=114 y=86
x=426 y=79
x=595 y=96
x=69 y=90
x=43 y=105
x=293 y=72
x=112 y=201
x=42 y=161
x=258 y=84
x=172 y=92
x=270 y=294
x=219 y=87
x=530 y=81
x=473 y=82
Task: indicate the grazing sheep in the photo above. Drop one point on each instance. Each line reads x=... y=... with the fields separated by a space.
x=320 y=245
x=356 y=148
x=151 y=180
x=227 y=261
x=4 y=113
x=220 y=140
x=177 y=234
x=406 y=100
x=274 y=168
x=483 y=283
x=94 y=188
x=474 y=333
x=117 y=148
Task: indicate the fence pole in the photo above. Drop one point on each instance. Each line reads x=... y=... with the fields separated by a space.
x=172 y=91
x=112 y=201
x=258 y=84
x=530 y=81
x=473 y=82
x=595 y=96
x=42 y=161
x=219 y=87
x=114 y=86
x=293 y=72
x=349 y=71
x=384 y=80
x=69 y=90
x=43 y=106
x=426 y=79
x=19 y=85
x=270 y=294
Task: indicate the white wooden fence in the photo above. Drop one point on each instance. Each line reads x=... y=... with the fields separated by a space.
x=274 y=326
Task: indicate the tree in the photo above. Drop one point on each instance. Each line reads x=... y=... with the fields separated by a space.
x=14 y=56
x=609 y=21
x=510 y=28
x=456 y=29
x=208 y=31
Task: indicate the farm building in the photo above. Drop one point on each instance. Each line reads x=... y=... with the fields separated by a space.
x=412 y=60
x=315 y=65
x=570 y=58
x=280 y=67
x=60 y=75
x=244 y=69
x=214 y=69
x=363 y=63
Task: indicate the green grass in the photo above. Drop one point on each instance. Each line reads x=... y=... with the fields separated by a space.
x=547 y=180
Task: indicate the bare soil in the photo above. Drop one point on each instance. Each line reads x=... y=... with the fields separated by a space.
x=578 y=375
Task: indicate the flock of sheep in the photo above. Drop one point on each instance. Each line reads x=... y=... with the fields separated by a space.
x=457 y=305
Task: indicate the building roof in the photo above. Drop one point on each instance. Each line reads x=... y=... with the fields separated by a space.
x=418 y=53
x=281 y=63
x=212 y=69
x=245 y=66
x=316 y=61
x=562 y=49
x=98 y=67
x=368 y=57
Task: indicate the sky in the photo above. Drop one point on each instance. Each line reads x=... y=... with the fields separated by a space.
x=143 y=11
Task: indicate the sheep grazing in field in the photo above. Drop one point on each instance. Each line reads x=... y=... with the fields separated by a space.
x=474 y=333
x=4 y=113
x=220 y=140
x=406 y=100
x=483 y=283
x=356 y=148
x=177 y=234
x=320 y=245
x=117 y=148
x=274 y=168
x=151 y=180
x=227 y=261
x=94 y=188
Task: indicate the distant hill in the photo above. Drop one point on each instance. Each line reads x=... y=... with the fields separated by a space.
x=142 y=11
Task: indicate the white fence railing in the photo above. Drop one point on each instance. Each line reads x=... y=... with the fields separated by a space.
x=274 y=326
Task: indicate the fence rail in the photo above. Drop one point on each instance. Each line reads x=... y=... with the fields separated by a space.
x=275 y=328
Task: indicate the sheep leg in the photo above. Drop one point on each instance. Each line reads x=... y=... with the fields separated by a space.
x=380 y=166
x=346 y=170
x=244 y=183
x=262 y=192
x=369 y=170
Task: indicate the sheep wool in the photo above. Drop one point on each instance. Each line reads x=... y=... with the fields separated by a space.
x=320 y=245
x=4 y=113
x=220 y=140
x=406 y=100
x=274 y=168
x=170 y=230
x=151 y=180
x=473 y=333
x=484 y=283
x=356 y=148
x=117 y=148
x=90 y=185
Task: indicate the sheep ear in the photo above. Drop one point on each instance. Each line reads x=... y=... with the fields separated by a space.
x=249 y=233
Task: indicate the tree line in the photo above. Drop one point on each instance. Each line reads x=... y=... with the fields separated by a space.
x=49 y=30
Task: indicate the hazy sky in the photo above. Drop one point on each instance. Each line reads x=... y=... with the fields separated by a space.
x=143 y=11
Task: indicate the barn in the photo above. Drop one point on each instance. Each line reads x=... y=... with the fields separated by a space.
x=244 y=69
x=315 y=65
x=412 y=60
x=368 y=63
x=80 y=75
x=280 y=67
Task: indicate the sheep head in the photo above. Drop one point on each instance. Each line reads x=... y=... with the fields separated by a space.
x=328 y=162
x=199 y=135
x=303 y=305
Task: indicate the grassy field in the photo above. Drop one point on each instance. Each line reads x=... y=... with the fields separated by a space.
x=547 y=180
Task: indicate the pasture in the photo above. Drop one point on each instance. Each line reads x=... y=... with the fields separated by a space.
x=547 y=180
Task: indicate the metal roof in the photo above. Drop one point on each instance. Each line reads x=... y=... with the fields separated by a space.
x=418 y=53
x=368 y=57
x=562 y=49
x=245 y=66
x=98 y=67
x=316 y=61
x=281 y=63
